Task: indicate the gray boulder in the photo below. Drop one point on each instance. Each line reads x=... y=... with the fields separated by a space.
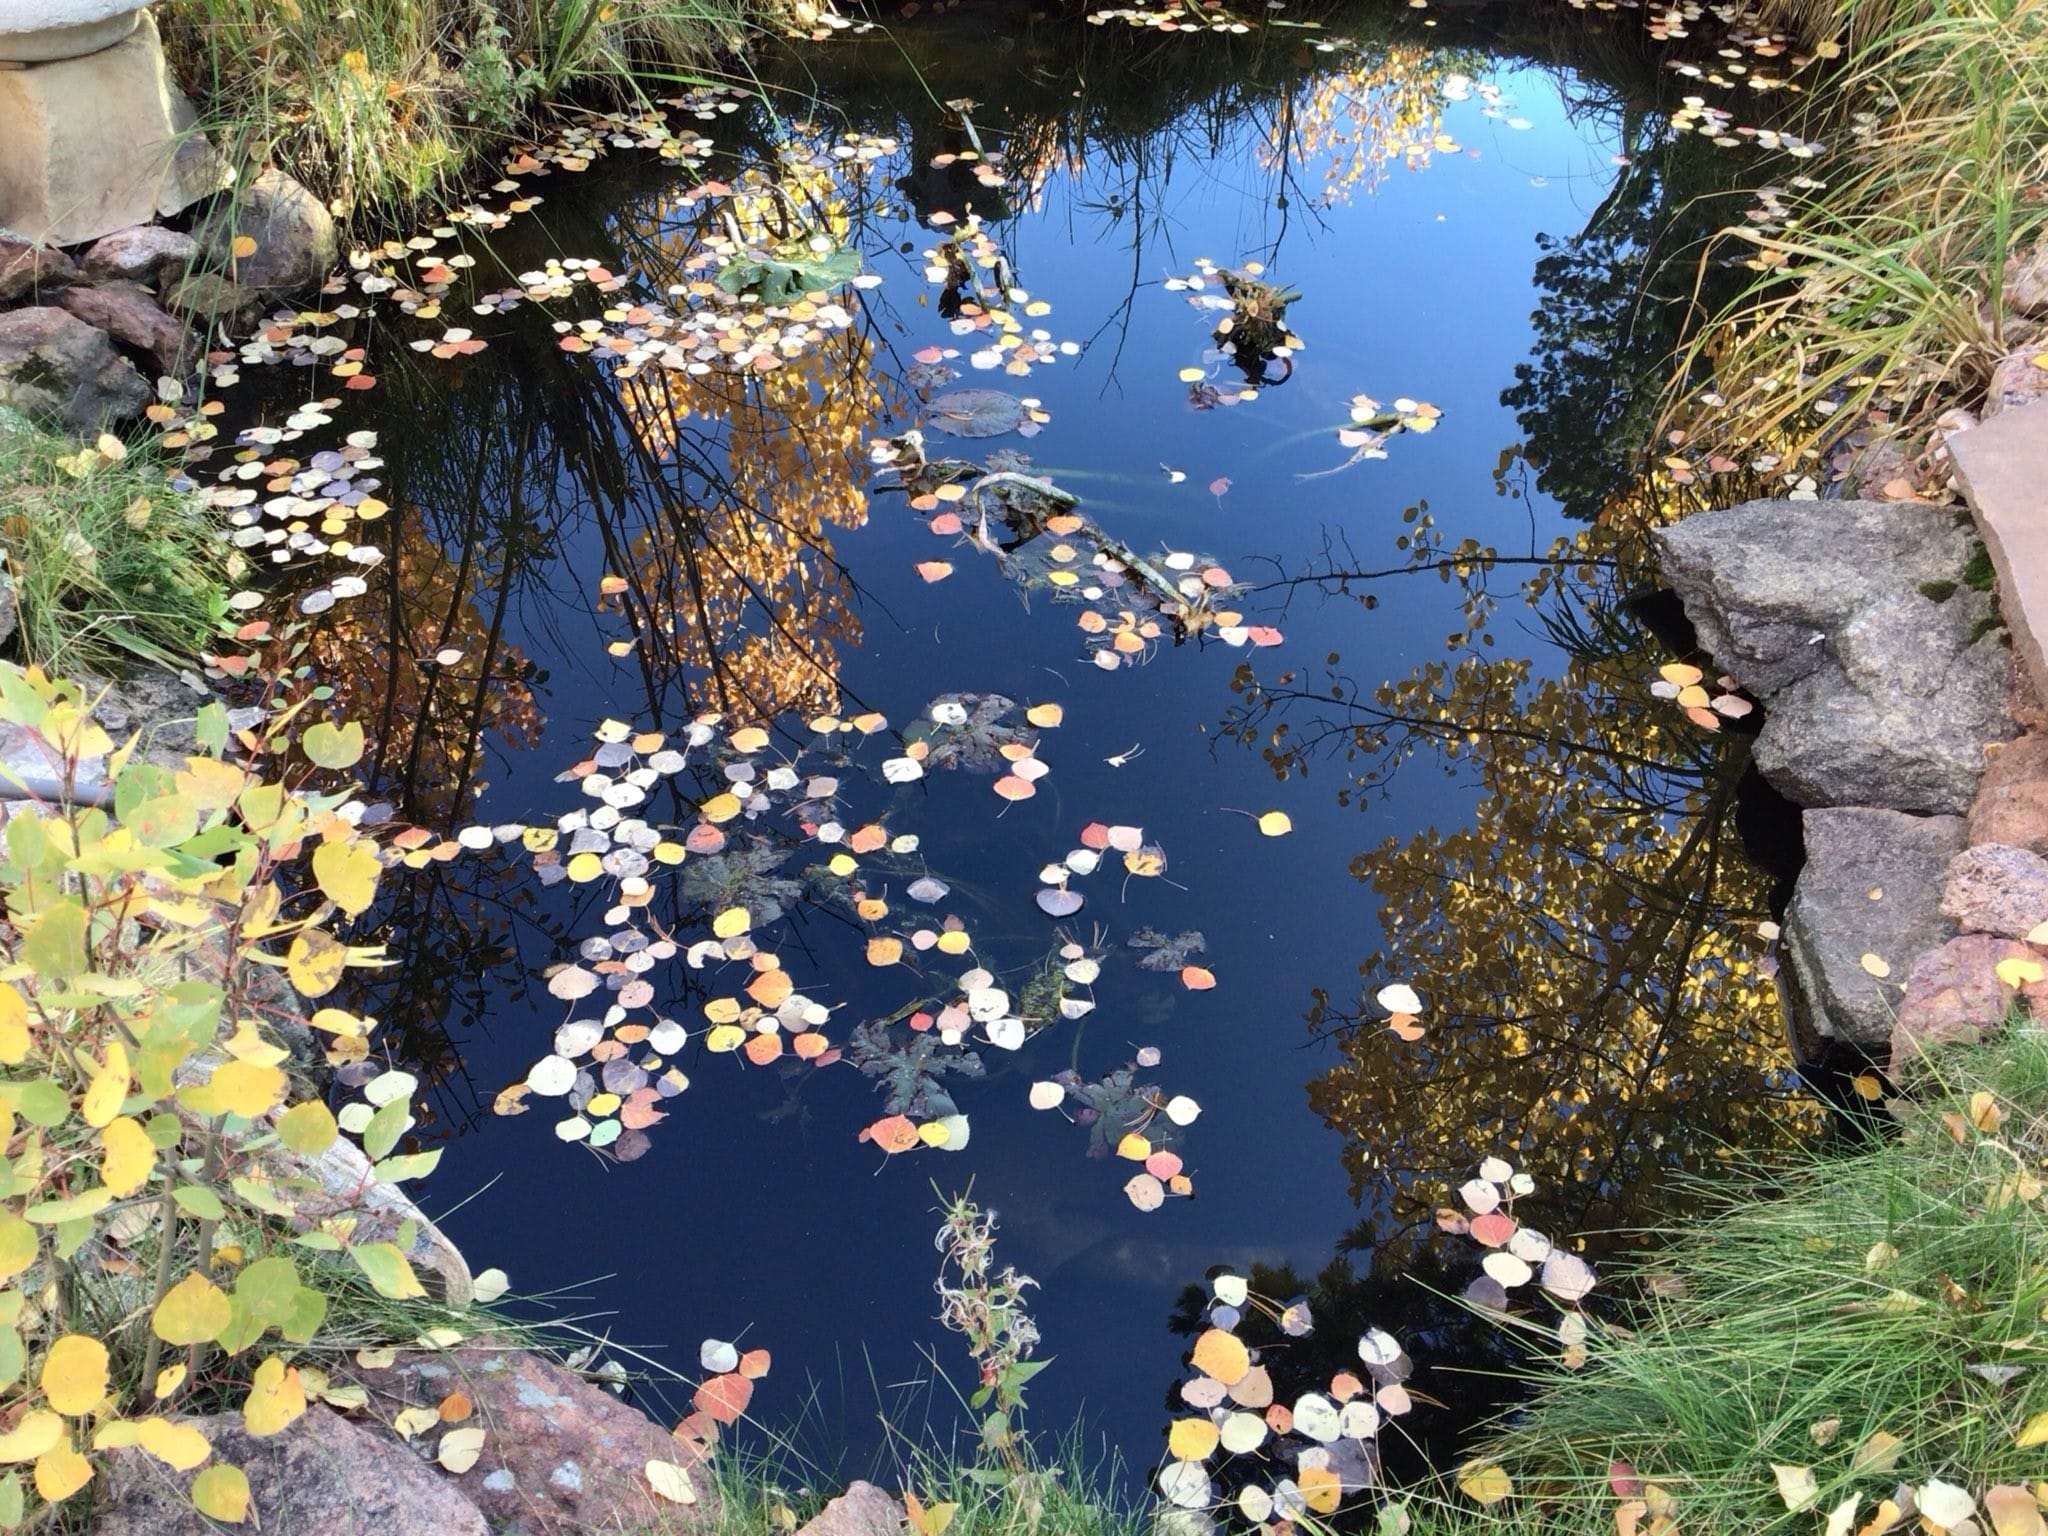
x=1872 y=885
x=55 y=366
x=1849 y=620
x=322 y=1476
x=295 y=245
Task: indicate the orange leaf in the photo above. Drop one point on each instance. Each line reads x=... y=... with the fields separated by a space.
x=754 y=1364
x=1196 y=979
x=724 y=1398
x=762 y=1049
x=892 y=1133
x=456 y=1407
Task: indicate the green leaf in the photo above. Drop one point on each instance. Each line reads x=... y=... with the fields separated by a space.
x=333 y=747
x=308 y=1128
x=790 y=273
x=54 y=946
x=221 y=1493
x=40 y=1102
x=199 y=1201
x=415 y=1165
x=269 y=1288
x=388 y=1270
x=86 y=1202
x=211 y=729
x=385 y=1127
x=10 y=1501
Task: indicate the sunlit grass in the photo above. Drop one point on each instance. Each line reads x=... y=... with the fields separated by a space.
x=385 y=103
x=1879 y=1294
x=110 y=565
x=1884 y=298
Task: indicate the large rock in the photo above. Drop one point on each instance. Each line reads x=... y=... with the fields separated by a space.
x=2012 y=800
x=295 y=245
x=55 y=366
x=129 y=315
x=96 y=143
x=1871 y=886
x=863 y=1510
x=2016 y=380
x=1952 y=994
x=28 y=270
x=560 y=1455
x=1994 y=888
x=324 y=1476
x=1849 y=620
x=148 y=254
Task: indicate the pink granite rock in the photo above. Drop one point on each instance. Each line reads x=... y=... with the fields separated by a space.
x=863 y=1510
x=1996 y=888
x=1952 y=993
x=560 y=1455
x=324 y=1476
x=2012 y=799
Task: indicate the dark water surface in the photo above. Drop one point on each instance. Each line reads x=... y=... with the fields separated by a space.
x=1574 y=913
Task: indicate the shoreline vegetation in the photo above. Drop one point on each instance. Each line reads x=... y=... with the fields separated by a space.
x=1835 y=1346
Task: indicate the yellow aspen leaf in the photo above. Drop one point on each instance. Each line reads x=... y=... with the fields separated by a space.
x=884 y=949
x=671 y=1482
x=2033 y=1432
x=276 y=1398
x=1276 y=824
x=108 y=1089
x=60 y=1472
x=2018 y=971
x=1134 y=1147
x=414 y=1422
x=388 y=1270
x=749 y=738
x=14 y=1037
x=178 y=1446
x=194 y=1311
x=346 y=873
x=731 y=923
x=332 y=746
x=169 y=1379
x=954 y=941
x=1045 y=716
x=1484 y=1483
x=237 y=1088
x=1796 y=1485
x=222 y=1493
x=74 y=1378
x=584 y=868
x=18 y=1244
x=243 y=246
x=1322 y=1488
x=1191 y=1439
x=720 y=808
x=459 y=1449
x=315 y=961
x=37 y=1432
x=2013 y=1511
x=1222 y=1355
x=725 y=1037
x=127 y=1156
x=1876 y=965
x=210 y=784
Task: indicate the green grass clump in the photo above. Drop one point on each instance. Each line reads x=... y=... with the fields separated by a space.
x=1896 y=1292
x=110 y=564
x=1885 y=292
x=384 y=103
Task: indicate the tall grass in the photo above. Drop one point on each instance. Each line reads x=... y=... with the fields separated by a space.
x=1897 y=1292
x=1882 y=300
x=109 y=564
x=381 y=104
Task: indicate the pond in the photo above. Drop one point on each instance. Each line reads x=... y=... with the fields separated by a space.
x=1246 y=790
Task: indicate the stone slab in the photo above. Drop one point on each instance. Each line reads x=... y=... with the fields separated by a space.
x=2002 y=466
x=95 y=144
